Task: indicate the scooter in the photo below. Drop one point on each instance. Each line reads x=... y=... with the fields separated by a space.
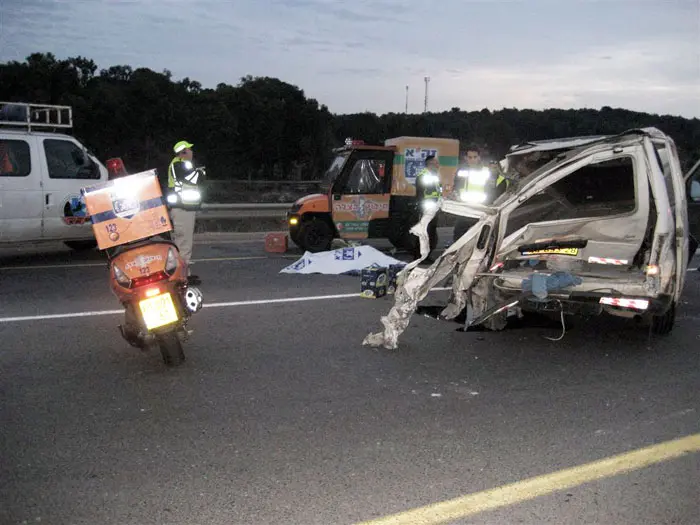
x=147 y=274
x=150 y=281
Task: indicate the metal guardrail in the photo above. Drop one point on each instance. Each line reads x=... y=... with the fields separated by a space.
x=248 y=206
x=243 y=210
x=253 y=182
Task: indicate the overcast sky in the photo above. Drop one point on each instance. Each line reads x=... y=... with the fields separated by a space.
x=358 y=55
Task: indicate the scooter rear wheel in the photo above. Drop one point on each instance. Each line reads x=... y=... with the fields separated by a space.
x=171 y=349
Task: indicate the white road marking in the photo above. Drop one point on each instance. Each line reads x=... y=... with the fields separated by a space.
x=212 y=305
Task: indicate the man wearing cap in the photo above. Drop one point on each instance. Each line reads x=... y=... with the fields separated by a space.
x=184 y=197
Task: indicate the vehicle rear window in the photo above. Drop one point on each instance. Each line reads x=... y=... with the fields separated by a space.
x=15 y=158
x=593 y=191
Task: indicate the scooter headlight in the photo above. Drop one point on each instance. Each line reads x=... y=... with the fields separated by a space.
x=171 y=262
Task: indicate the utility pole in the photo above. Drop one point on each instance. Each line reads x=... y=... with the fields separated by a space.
x=425 y=109
x=407 y=99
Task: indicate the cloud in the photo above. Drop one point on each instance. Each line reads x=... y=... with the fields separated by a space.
x=360 y=55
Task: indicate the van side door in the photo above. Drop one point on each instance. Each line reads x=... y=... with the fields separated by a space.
x=67 y=169
x=20 y=189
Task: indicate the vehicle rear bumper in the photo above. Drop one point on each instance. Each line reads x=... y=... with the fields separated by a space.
x=586 y=299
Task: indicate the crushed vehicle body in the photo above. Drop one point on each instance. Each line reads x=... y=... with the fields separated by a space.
x=588 y=225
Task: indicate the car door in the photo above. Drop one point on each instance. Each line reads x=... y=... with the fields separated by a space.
x=361 y=195
x=67 y=169
x=602 y=197
x=20 y=189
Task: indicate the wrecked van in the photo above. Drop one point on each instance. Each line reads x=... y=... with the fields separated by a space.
x=590 y=225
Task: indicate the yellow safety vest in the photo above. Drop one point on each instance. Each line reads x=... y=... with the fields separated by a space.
x=473 y=186
x=172 y=180
x=428 y=183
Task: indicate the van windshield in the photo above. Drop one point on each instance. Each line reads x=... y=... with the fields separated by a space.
x=334 y=170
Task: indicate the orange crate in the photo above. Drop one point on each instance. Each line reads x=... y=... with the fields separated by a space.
x=276 y=242
x=127 y=209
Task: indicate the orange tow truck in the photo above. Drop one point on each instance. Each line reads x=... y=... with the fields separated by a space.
x=370 y=193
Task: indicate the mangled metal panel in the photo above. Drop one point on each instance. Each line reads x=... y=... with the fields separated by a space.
x=414 y=283
x=468 y=257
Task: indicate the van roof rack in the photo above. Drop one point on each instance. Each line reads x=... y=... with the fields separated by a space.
x=27 y=116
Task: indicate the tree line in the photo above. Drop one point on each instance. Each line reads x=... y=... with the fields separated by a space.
x=265 y=128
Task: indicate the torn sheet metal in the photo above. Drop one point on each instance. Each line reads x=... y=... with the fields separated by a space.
x=414 y=283
x=340 y=261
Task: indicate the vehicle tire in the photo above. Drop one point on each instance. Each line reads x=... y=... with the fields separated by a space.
x=294 y=236
x=315 y=235
x=81 y=246
x=663 y=324
x=171 y=349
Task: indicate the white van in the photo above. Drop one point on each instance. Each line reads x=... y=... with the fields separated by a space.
x=41 y=173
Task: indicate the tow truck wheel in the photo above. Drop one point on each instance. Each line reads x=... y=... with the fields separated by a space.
x=315 y=235
x=663 y=324
x=294 y=236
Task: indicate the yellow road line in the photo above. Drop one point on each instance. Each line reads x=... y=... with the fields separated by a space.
x=531 y=488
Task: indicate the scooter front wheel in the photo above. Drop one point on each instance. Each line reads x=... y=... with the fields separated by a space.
x=171 y=349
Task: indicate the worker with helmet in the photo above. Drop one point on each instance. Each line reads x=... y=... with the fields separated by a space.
x=184 y=197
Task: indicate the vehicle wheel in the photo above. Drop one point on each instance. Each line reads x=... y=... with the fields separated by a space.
x=315 y=235
x=81 y=245
x=294 y=236
x=171 y=349
x=663 y=324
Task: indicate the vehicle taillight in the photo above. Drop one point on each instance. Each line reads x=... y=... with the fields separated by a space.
x=149 y=279
x=115 y=168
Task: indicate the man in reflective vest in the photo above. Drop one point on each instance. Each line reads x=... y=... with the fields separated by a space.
x=184 y=198
x=476 y=183
x=428 y=188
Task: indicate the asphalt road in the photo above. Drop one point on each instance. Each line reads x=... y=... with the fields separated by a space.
x=280 y=415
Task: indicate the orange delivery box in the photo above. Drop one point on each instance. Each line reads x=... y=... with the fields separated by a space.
x=127 y=209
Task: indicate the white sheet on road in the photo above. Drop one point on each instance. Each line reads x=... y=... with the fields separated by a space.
x=340 y=261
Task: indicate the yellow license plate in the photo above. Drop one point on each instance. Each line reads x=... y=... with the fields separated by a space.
x=158 y=311
x=556 y=251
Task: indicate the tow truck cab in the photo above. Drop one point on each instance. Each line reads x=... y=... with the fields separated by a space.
x=369 y=193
